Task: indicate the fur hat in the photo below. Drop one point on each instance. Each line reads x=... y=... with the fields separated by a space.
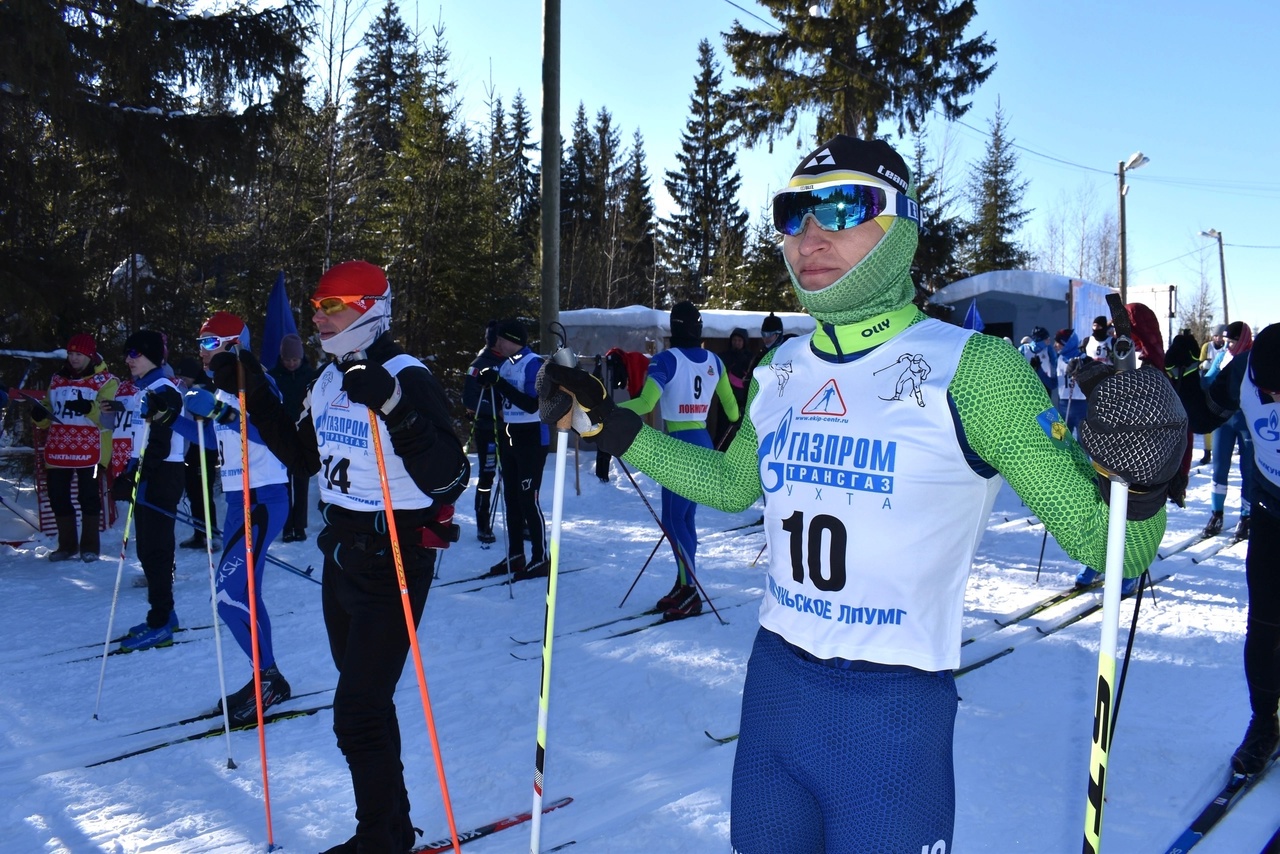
x=149 y=343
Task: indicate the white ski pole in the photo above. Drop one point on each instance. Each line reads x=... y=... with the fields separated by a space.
x=124 y=545
x=564 y=357
x=1104 y=699
x=213 y=589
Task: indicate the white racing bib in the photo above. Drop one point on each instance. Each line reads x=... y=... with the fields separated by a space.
x=872 y=513
x=264 y=467
x=348 y=464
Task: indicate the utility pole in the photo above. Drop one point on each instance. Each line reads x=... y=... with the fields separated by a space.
x=550 y=173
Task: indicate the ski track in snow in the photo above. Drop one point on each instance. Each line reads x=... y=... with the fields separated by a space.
x=625 y=736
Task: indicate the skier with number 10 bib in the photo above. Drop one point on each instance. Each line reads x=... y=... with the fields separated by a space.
x=876 y=499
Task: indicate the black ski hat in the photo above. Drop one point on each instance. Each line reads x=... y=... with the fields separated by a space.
x=772 y=323
x=873 y=157
x=686 y=325
x=149 y=343
x=1264 y=358
x=513 y=330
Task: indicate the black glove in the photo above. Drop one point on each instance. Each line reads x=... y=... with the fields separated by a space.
x=488 y=377
x=155 y=408
x=226 y=377
x=613 y=428
x=122 y=487
x=78 y=406
x=371 y=385
x=1136 y=428
x=38 y=412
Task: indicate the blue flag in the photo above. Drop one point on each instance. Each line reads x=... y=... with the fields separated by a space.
x=972 y=320
x=279 y=324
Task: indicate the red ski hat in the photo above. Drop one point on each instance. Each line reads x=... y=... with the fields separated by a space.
x=83 y=343
x=353 y=279
x=223 y=324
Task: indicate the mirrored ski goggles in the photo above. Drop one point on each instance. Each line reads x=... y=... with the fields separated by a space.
x=214 y=342
x=335 y=305
x=838 y=205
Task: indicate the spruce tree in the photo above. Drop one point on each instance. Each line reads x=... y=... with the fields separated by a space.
x=996 y=192
x=152 y=110
x=855 y=63
x=636 y=270
x=704 y=235
x=938 y=259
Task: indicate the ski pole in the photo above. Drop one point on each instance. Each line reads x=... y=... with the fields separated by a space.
x=253 y=589
x=1104 y=698
x=679 y=552
x=389 y=511
x=213 y=592
x=186 y=519
x=124 y=544
x=661 y=539
x=497 y=474
x=15 y=512
x=760 y=553
x=548 y=630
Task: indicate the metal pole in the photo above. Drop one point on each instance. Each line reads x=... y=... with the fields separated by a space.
x=1222 y=269
x=1124 y=277
x=550 y=168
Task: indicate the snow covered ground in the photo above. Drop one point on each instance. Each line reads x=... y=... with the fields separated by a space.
x=627 y=714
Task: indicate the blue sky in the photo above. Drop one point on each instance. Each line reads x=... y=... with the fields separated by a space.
x=1193 y=86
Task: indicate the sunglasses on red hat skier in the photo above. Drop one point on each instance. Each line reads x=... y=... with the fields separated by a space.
x=336 y=305
x=215 y=342
x=837 y=205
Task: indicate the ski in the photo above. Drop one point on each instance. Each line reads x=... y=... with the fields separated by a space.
x=1272 y=846
x=269 y=717
x=1215 y=545
x=1172 y=549
x=497 y=580
x=119 y=651
x=720 y=739
x=1235 y=788
x=652 y=612
x=489 y=829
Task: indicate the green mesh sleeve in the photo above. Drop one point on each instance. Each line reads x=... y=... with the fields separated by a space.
x=999 y=400
x=728 y=480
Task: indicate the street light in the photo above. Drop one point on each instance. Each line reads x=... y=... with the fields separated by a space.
x=1135 y=161
x=1222 y=267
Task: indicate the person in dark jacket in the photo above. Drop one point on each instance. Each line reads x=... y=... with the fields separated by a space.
x=737 y=364
x=1249 y=388
x=159 y=470
x=426 y=470
x=480 y=404
x=293 y=374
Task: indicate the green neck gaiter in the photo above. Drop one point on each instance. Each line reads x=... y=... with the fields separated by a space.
x=879 y=283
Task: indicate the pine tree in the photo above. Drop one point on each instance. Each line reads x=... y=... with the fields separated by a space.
x=937 y=260
x=635 y=276
x=151 y=110
x=703 y=238
x=996 y=192
x=380 y=80
x=855 y=64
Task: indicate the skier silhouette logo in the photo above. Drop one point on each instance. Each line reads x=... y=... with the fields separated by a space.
x=828 y=401
x=914 y=371
x=782 y=373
